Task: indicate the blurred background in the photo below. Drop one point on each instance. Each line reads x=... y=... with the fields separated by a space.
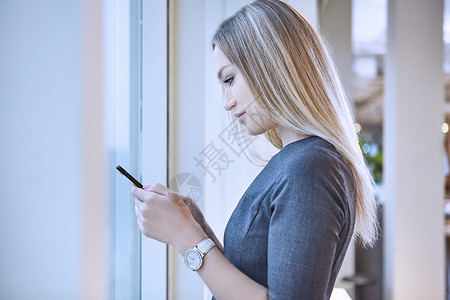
x=89 y=84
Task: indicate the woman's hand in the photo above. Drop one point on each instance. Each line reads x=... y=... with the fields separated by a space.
x=163 y=215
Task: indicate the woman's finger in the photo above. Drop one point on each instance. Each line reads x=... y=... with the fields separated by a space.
x=137 y=211
x=145 y=195
x=138 y=201
x=140 y=225
x=138 y=193
x=159 y=189
x=188 y=201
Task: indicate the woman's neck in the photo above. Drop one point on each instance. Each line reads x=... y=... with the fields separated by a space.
x=289 y=136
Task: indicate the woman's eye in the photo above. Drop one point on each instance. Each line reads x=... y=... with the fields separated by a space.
x=229 y=81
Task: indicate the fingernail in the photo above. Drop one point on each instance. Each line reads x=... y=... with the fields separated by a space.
x=147 y=186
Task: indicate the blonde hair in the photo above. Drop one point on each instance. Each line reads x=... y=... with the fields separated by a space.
x=291 y=74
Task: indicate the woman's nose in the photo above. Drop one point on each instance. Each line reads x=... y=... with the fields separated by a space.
x=229 y=101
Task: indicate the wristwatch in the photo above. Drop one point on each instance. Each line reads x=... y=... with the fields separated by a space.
x=193 y=258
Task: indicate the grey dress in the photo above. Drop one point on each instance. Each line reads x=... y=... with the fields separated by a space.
x=292 y=227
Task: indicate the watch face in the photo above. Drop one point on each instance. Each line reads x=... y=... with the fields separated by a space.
x=193 y=259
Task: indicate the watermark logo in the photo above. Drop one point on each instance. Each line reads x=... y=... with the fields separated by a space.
x=187 y=184
x=213 y=160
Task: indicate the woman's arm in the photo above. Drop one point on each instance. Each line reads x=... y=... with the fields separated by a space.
x=163 y=215
x=311 y=223
x=200 y=219
x=223 y=279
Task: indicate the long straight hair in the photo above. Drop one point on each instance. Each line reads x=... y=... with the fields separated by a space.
x=292 y=76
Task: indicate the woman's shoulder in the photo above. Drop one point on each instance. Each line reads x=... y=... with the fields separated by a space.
x=310 y=154
x=314 y=169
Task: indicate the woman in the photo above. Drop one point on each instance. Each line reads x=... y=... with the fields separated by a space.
x=289 y=233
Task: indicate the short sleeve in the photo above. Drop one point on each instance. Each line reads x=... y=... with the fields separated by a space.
x=306 y=230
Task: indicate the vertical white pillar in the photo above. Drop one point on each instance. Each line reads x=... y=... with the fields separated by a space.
x=154 y=136
x=413 y=145
x=41 y=177
x=186 y=123
x=93 y=180
x=335 y=22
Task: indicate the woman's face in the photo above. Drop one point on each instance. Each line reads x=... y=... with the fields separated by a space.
x=238 y=97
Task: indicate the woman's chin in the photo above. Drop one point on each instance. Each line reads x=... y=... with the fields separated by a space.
x=255 y=131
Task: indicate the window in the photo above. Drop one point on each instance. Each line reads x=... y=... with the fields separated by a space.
x=136 y=52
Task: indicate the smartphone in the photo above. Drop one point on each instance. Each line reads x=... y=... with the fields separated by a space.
x=127 y=175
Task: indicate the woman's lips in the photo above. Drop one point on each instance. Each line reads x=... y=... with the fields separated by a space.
x=239 y=116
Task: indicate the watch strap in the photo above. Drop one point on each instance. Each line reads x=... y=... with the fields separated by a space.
x=205 y=245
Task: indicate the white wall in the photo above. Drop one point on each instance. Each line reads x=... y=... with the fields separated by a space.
x=414 y=249
x=40 y=149
x=45 y=230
